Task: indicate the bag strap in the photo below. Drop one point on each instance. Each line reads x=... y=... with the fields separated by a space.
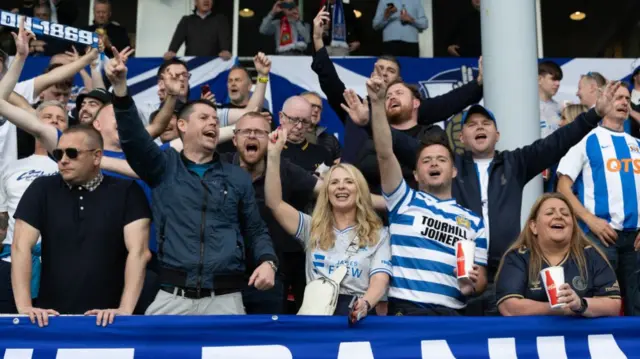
x=341 y=272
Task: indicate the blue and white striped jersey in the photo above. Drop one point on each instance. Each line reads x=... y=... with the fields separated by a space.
x=424 y=231
x=605 y=167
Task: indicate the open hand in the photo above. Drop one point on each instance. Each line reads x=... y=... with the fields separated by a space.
x=38 y=314
x=356 y=108
x=604 y=104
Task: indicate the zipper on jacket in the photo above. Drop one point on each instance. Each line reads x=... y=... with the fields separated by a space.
x=202 y=230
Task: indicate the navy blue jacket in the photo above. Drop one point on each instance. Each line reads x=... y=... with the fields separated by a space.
x=200 y=223
x=509 y=173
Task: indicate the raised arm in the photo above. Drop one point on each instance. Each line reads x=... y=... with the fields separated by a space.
x=263 y=66
x=544 y=153
x=283 y=212
x=29 y=122
x=61 y=73
x=10 y=79
x=144 y=156
x=390 y=171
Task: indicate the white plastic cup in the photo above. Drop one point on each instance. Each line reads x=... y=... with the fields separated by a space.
x=465 y=255
x=553 y=278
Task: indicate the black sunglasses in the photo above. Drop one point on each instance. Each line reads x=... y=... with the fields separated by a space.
x=71 y=152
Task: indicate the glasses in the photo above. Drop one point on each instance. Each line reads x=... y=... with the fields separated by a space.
x=246 y=132
x=295 y=120
x=72 y=153
x=181 y=75
x=316 y=107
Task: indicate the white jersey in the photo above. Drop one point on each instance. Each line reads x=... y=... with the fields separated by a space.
x=8 y=131
x=362 y=262
x=424 y=231
x=605 y=167
x=550 y=115
x=15 y=180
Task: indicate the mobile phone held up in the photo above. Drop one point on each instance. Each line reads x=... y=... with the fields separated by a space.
x=288 y=5
x=390 y=5
x=205 y=89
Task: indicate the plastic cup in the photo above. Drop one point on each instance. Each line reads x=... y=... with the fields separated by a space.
x=553 y=278
x=465 y=255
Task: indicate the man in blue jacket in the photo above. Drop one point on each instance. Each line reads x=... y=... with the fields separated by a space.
x=490 y=182
x=202 y=209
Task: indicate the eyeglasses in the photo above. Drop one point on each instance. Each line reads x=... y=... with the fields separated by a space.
x=295 y=120
x=246 y=132
x=181 y=75
x=317 y=107
x=72 y=153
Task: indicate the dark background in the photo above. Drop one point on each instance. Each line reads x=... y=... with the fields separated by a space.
x=611 y=28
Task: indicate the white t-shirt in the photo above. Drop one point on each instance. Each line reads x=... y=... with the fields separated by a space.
x=363 y=263
x=550 y=115
x=15 y=180
x=8 y=131
x=482 y=170
x=635 y=97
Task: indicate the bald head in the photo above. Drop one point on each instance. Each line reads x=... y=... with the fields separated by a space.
x=296 y=103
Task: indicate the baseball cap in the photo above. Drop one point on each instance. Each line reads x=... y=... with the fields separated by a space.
x=478 y=109
x=99 y=94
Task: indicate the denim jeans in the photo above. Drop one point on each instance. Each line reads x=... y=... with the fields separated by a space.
x=626 y=262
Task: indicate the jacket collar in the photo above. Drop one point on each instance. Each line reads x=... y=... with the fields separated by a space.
x=497 y=158
x=89 y=186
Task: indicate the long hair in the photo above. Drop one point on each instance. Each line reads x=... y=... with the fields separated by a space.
x=527 y=240
x=571 y=112
x=368 y=224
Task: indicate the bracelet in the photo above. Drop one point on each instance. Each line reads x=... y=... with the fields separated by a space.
x=263 y=79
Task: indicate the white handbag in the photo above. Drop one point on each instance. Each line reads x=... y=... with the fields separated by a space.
x=321 y=295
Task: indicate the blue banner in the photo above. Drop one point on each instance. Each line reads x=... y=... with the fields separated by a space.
x=289 y=337
x=291 y=75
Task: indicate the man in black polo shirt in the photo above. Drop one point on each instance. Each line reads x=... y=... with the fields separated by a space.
x=250 y=140
x=95 y=236
x=295 y=117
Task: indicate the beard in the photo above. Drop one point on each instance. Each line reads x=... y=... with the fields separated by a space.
x=399 y=116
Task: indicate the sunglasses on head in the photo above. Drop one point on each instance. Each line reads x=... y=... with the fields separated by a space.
x=72 y=153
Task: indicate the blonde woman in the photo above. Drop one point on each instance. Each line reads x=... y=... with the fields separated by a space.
x=551 y=237
x=343 y=230
x=571 y=112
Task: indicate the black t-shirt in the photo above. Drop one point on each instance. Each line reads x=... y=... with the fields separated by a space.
x=83 y=248
x=514 y=281
x=307 y=155
x=297 y=190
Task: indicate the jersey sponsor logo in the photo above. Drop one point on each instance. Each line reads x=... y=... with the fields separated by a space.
x=579 y=283
x=624 y=165
x=441 y=231
x=461 y=221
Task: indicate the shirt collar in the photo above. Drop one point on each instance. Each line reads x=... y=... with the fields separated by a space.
x=203 y=16
x=91 y=185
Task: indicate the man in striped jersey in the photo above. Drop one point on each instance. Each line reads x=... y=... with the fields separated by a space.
x=605 y=169
x=425 y=225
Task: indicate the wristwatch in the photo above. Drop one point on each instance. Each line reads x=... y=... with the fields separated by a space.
x=273 y=266
x=583 y=307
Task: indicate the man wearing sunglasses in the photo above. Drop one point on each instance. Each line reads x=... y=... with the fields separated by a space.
x=296 y=118
x=93 y=262
x=14 y=181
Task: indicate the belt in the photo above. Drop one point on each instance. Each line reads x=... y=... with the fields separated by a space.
x=192 y=293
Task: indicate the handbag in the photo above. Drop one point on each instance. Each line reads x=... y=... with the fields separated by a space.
x=321 y=295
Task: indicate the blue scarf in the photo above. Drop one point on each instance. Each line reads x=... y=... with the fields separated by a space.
x=339 y=26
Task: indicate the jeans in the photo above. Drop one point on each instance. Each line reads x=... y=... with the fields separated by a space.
x=625 y=261
x=265 y=301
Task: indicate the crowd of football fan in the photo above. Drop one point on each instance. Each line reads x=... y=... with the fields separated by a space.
x=186 y=207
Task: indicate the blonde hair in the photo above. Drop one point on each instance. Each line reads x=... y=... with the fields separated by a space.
x=571 y=112
x=529 y=241
x=368 y=224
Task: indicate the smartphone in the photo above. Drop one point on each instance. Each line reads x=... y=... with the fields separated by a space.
x=205 y=89
x=390 y=5
x=288 y=5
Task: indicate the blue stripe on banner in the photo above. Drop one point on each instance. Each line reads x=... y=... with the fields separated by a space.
x=422 y=264
x=318 y=264
x=152 y=81
x=600 y=190
x=450 y=216
x=482 y=243
x=427 y=287
x=627 y=178
x=418 y=242
x=404 y=219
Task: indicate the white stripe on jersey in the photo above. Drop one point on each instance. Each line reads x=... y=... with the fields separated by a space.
x=424 y=231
